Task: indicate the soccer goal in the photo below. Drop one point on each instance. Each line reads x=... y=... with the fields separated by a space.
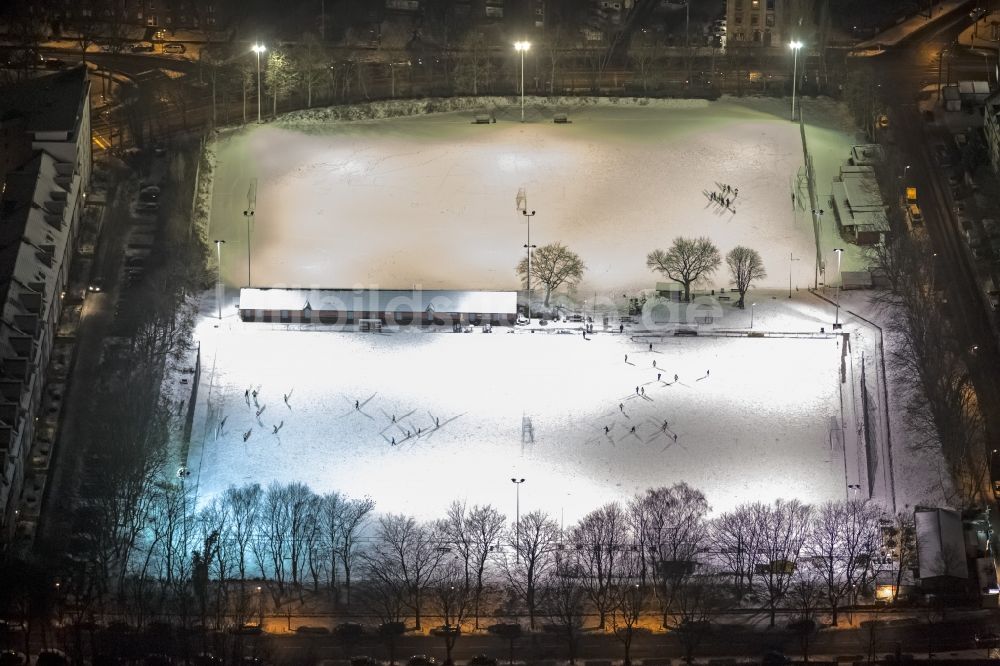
x=369 y=325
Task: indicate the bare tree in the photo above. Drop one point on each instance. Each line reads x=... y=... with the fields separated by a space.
x=248 y=80
x=738 y=536
x=554 y=46
x=784 y=528
x=353 y=522
x=452 y=598
x=534 y=541
x=901 y=541
x=843 y=541
x=687 y=261
x=745 y=267
x=553 y=265
x=645 y=53
x=805 y=595
x=331 y=512
x=475 y=534
x=563 y=599
x=674 y=532
x=303 y=505
x=279 y=78
x=696 y=600
x=630 y=602
x=407 y=554
x=243 y=505
x=272 y=547
x=310 y=64
x=475 y=67
x=601 y=538
x=86 y=20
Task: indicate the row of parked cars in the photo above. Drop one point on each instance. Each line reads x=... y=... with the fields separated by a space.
x=982 y=236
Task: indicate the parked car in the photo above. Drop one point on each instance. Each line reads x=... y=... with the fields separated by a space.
x=305 y=629
x=364 y=661
x=51 y=657
x=54 y=63
x=421 y=660
x=147 y=206
x=942 y=155
x=174 y=47
x=482 y=660
x=96 y=285
x=142 y=48
x=12 y=658
x=246 y=629
x=148 y=197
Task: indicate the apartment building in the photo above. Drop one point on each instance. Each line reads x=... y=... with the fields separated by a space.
x=40 y=206
x=769 y=22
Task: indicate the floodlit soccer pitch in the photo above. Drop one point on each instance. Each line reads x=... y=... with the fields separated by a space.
x=752 y=417
x=430 y=201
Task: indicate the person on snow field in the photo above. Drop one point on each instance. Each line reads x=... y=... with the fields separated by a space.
x=356 y=405
x=658 y=375
x=626 y=358
x=606 y=431
x=633 y=430
x=621 y=406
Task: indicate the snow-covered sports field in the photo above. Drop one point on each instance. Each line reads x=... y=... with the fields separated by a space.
x=752 y=417
x=430 y=199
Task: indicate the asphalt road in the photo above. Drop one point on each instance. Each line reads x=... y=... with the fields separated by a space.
x=903 y=73
x=720 y=641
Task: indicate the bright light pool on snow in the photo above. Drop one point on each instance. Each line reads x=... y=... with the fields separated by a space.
x=528 y=405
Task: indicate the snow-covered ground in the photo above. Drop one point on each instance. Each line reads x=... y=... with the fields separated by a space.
x=430 y=199
x=753 y=417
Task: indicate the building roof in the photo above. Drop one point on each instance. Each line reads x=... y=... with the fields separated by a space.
x=379 y=300
x=49 y=103
x=940 y=544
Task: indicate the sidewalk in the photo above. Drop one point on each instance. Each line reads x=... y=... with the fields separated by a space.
x=900 y=32
x=983 y=34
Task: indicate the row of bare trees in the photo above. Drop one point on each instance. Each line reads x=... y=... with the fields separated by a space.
x=659 y=553
x=933 y=357
x=688 y=261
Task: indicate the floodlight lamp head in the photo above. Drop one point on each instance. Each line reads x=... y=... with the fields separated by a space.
x=522 y=46
x=258 y=48
x=795 y=45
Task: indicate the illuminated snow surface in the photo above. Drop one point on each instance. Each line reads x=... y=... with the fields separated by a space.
x=756 y=428
x=430 y=199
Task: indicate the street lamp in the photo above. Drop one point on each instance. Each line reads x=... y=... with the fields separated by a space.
x=258 y=49
x=529 y=247
x=517 y=521
x=840 y=281
x=248 y=214
x=218 y=289
x=522 y=47
x=791 y=258
x=794 y=45
x=752 y=306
